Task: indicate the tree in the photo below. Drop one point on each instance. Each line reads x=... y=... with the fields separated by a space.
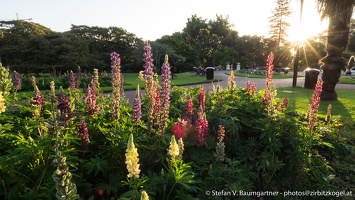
x=339 y=14
x=279 y=22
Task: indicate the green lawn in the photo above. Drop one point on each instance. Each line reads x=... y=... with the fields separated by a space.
x=275 y=76
x=186 y=78
x=347 y=80
x=299 y=98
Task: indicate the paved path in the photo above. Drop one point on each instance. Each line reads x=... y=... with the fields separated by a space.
x=241 y=82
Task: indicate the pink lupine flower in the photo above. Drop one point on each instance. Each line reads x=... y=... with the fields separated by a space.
x=137 y=107
x=314 y=105
x=201 y=99
x=84 y=134
x=201 y=129
x=251 y=88
x=72 y=81
x=268 y=96
x=16 y=80
x=90 y=101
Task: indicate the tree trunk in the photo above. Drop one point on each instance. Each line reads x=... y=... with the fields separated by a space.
x=333 y=62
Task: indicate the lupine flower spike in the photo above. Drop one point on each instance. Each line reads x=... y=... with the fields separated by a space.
x=179 y=128
x=220 y=144
x=270 y=93
x=144 y=195
x=329 y=114
x=90 y=101
x=189 y=110
x=201 y=129
x=72 y=81
x=64 y=108
x=314 y=105
x=137 y=107
x=231 y=82
x=132 y=159
x=84 y=134
x=150 y=86
x=164 y=95
x=2 y=103
x=173 y=151
x=116 y=82
x=16 y=80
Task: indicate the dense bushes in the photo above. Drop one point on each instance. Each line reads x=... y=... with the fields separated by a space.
x=262 y=152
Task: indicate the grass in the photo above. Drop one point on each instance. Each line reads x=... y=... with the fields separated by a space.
x=299 y=98
x=275 y=76
x=347 y=80
x=131 y=81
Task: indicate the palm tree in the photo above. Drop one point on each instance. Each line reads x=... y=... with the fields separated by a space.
x=339 y=13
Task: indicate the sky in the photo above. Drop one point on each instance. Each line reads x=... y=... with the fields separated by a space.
x=151 y=19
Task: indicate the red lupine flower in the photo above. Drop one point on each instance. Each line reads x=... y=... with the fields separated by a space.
x=179 y=129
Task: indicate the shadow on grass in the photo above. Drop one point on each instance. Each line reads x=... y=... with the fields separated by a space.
x=299 y=99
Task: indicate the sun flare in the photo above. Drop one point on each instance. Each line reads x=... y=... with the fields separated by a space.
x=310 y=24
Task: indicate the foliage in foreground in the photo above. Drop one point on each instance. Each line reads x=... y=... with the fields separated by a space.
x=69 y=145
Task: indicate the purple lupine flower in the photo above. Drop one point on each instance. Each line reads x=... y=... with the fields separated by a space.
x=64 y=107
x=165 y=94
x=137 y=107
x=72 y=81
x=148 y=62
x=16 y=80
x=90 y=101
x=84 y=134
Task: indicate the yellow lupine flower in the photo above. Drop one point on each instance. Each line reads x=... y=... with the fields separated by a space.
x=173 y=150
x=132 y=159
x=144 y=195
x=2 y=103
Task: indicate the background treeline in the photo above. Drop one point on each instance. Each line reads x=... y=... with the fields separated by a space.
x=29 y=47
